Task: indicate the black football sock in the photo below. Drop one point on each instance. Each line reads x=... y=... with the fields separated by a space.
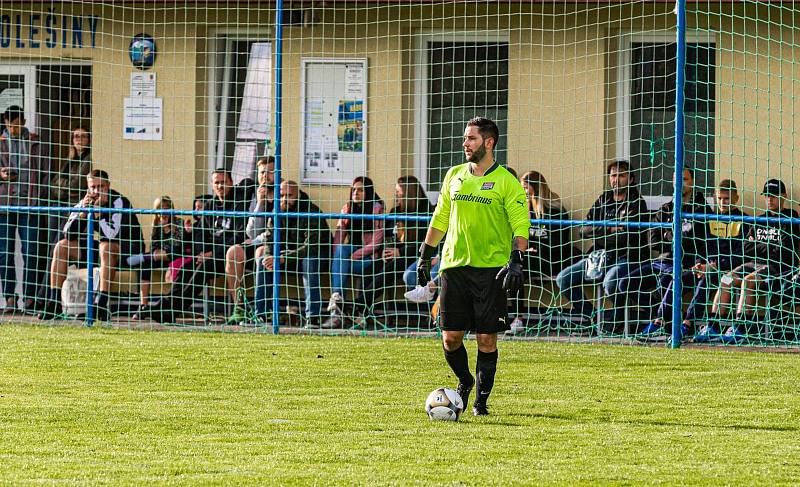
x=485 y=369
x=55 y=295
x=459 y=362
x=101 y=300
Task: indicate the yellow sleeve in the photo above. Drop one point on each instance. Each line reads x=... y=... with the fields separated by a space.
x=516 y=204
x=441 y=215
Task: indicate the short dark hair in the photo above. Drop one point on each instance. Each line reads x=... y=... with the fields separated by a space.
x=728 y=185
x=486 y=127
x=221 y=170
x=13 y=112
x=621 y=165
x=98 y=174
x=263 y=161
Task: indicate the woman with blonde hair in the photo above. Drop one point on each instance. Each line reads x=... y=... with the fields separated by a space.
x=550 y=247
x=168 y=242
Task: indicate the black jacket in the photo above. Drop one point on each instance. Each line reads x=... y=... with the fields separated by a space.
x=627 y=243
x=122 y=228
x=229 y=230
x=773 y=243
x=302 y=236
x=694 y=233
x=175 y=243
x=553 y=243
x=412 y=232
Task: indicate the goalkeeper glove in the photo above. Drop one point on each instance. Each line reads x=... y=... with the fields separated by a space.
x=426 y=253
x=511 y=273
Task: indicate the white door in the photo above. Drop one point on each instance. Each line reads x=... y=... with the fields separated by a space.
x=18 y=87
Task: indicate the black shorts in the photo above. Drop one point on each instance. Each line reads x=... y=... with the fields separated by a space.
x=471 y=299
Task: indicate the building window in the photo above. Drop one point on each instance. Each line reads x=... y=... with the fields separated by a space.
x=462 y=79
x=651 y=112
x=240 y=103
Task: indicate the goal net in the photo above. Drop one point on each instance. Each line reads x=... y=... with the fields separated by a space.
x=244 y=164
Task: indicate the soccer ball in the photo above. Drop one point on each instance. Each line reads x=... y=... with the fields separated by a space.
x=444 y=404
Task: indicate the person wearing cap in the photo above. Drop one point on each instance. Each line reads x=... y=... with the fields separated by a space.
x=770 y=252
x=22 y=183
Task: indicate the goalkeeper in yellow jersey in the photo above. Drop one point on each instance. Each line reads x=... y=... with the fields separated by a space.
x=482 y=209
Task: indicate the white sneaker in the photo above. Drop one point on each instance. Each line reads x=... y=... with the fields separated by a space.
x=335 y=303
x=517 y=327
x=420 y=294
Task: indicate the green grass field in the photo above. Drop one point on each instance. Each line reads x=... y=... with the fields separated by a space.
x=130 y=407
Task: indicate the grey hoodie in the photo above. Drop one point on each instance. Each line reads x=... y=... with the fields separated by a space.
x=22 y=156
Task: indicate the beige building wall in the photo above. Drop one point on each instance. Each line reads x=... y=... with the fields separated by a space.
x=562 y=87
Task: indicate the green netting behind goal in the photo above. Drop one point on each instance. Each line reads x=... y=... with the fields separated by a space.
x=155 y=124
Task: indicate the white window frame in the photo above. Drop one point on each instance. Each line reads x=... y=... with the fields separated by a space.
x=421 y=41
x=224 y=37
x=623 y=108
x=28 y=72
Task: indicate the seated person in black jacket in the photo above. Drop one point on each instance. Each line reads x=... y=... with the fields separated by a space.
x=550 y=247
x=770 y=252
x=120 y=238
x=171 y=239
x=657 y=273
x=619 y=249
x=305 y=244
x=401 y=245
x=222 y=231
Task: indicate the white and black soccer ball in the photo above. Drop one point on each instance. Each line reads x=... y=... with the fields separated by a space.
x=444 y=404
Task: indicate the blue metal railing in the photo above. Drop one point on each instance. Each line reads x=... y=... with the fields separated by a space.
x=677 y=217
x=276 y=246
x=275 y=214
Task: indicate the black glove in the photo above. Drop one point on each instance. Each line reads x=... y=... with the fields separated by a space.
x=511 y=273
x=426 y=253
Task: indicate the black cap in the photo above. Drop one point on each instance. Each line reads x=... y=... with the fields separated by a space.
x=774 y=187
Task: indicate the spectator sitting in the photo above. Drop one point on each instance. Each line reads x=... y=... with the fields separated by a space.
x=304 y=243
x=401 y=245
x=550 y=246
x=209 y=261
x=619 y=248
x=240 y=256
x=22 y=170
x=725 y=247
x=168 y=242
x=357 y=243
x=120 y=238
x=770 y=251
x=658 y=272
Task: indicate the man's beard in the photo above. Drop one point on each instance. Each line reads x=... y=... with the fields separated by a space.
x=620 y=190
x=478 y=154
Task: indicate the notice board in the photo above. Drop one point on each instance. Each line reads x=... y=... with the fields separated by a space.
x=333 y=137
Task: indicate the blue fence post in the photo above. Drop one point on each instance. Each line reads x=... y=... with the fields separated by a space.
x=276 y=220
x=90 y=268
x=677 y=224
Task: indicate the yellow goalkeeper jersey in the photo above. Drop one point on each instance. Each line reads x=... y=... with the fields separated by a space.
x=481 y=215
